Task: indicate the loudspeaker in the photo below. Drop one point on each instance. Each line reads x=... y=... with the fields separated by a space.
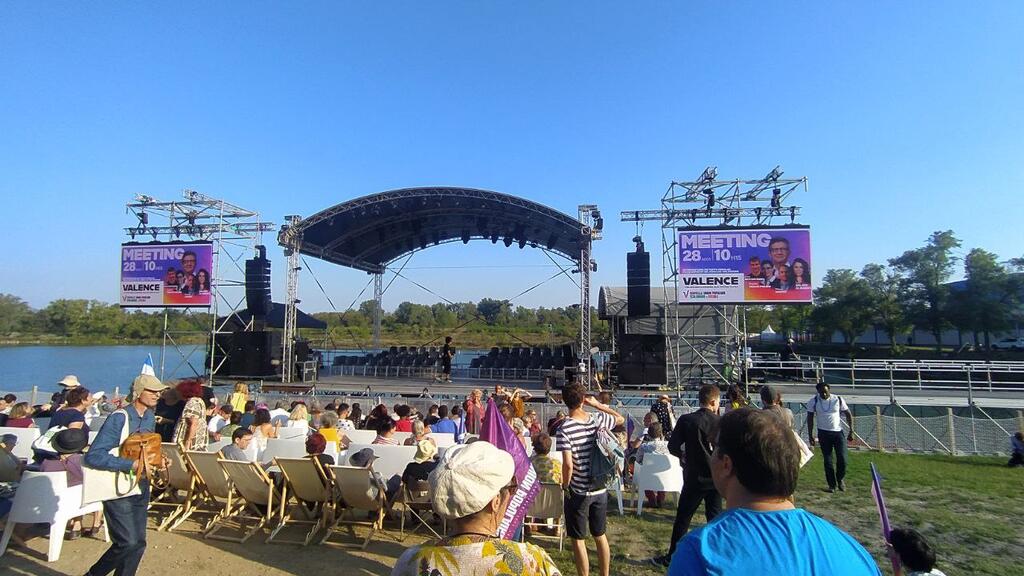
x=252 y=353
x=638 y=283
x=641 y=360
x=257 y=286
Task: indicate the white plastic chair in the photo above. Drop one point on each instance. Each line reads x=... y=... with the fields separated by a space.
x=218 y=445
x=277 y=448
x=549 y=503
x=292 y=433
x=26 y=436
x=443 y=439
x=391 y=460
x=46 y=498
x=360 y=436
x=401 y=437
x=659 y=472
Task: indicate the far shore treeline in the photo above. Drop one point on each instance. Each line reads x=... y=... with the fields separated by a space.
x=912 y=289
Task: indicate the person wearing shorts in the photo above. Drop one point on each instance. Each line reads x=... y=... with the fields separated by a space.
x=586 y=506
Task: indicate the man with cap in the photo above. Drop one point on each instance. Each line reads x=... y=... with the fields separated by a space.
x=117 y=481
x=66 y=383
x=472 y=486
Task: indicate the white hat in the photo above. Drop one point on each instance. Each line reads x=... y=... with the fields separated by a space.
x=425 y=450
x=70 y=381
x=468 y=478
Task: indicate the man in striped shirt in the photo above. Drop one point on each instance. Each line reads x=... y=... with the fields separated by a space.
x=584 y=504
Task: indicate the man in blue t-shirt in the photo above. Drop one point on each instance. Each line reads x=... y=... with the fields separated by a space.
x=755 y=467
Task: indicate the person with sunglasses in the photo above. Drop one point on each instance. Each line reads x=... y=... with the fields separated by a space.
x=471 y=487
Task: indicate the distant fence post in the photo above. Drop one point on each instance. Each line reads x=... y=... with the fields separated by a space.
x=35 y=392
x=918 y=374
x=988 y=372
x=1020 y=420
x=878 y=427
x=892 y=384
x=952 y=431
x=853 y=376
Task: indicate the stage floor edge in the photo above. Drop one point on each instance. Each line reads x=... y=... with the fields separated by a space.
x=356 y=385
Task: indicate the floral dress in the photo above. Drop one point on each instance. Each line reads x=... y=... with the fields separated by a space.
x=461 y=556
x=194 y=408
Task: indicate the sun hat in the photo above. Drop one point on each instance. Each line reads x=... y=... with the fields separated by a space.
x=70 y=381
x=362 y=458
x=425 y=450
x=147 y=382
x=468 y=478
x=70 y=441
x=9 y=440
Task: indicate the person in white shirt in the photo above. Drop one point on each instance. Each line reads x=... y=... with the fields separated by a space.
x=220 y=419
x=828 y=410
x=299 y=418
x=344 y=423
x=279 y=415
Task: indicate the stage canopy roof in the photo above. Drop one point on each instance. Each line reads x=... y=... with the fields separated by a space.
x=370 y=232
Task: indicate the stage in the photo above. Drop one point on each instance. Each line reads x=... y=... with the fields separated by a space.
x=415 y=387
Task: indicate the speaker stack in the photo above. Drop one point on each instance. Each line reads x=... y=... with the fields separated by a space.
x=641 y=360
x=638 y=282
x=257 y=284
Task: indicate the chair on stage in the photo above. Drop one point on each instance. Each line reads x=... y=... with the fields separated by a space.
x=357 y=490
x=305 y=481
x=257 y=494
x=660 y=473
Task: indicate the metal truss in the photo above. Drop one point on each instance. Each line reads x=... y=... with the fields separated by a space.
x=293 y=235
x=591 y=224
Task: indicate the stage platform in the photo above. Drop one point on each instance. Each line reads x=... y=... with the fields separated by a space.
x=357 y=385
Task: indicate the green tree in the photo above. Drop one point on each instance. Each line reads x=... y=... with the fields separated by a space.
x=843 y=305
x=494 y=311
x=924 y=272
x=888 y=305
x=990 y=294
x=15 y=314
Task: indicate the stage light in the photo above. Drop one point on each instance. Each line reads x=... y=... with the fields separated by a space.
x=177 y=232
x=774 y=175
x=693 y=214
x=143 y=218
x=153 y=233
x=776 y=201
x=599 y=224
x=757 y=213
x=711 y=199
x=465 y=236
x=494 y=237
x=522 y=243
x=508 y=240
x=792 y=214
x=710 y=173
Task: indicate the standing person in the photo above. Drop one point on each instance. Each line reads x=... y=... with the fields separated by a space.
x=191 y=431
x=447 y=353
x=662 y=408
x=586 y=505
x=828 y=408
x=240 y=397
x=692 y=441
x=771 y=400
x=125 y=515
x=168 y=411
x=789 y=355
x=474 y=408
x=755 y=466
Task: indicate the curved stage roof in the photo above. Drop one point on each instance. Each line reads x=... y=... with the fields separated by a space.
x=370 y=232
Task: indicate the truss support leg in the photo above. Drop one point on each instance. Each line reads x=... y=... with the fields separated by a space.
x=378 y=311
x=294 y=243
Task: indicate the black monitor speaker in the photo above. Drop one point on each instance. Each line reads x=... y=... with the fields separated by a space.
x=638 y=283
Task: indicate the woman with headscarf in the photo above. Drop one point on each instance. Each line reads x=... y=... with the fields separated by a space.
x=472 y=487
x=190 y=432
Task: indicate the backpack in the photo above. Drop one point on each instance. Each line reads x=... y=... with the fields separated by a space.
x=606 y=459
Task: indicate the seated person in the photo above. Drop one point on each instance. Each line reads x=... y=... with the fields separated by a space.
x=655 y=444
x=240 y=439
x=386 y=433
x=69 y=444
x=389 y=487
x=1017 y=446
x=11 y=466
x=344 y=411
x=448 y=422
x=914 y=556
x=420 y=432
x=422 y=464
x=329 y=430
x=755 y=466
x=20 y=416
x=221 y=417
x=234 y=423
x=315 y=446
x=404 y=422
x=472 y=487
x=546 y=468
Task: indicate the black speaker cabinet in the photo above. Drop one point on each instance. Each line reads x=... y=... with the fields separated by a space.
x=257 y=286
x=638 y=283
x=641 y=360
x=252 y=353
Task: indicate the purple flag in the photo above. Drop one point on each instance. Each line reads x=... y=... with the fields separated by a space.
x=883 y=512
x=496 y=431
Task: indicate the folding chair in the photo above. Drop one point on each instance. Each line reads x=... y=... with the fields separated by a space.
x=357 y=489
x=548 y=504
x=178 y=479
x=415 y=499
x=257 y=493
x=212 y=493
x=305 y=481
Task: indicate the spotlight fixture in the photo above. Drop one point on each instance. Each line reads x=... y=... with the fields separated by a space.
x=710 y=173
x=522 y=243
x=774 y=175
x=711 y=199
x=494 y=237
x=508 y=240
x=792 y=214
x=465 y=236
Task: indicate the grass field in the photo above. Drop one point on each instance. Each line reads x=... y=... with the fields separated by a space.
x=968 y=507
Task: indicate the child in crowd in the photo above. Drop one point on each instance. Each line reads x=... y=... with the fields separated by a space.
x=547 y=469
x=914 y=556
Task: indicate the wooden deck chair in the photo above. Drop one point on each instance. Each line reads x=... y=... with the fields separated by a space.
x=213 y=491
x=356 y=489
x=179 y=479
x=548 y=504
x=305 y=481
x=415 y=499
x=257 y=493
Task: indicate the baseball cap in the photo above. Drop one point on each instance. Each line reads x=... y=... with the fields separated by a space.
x=147 y=382
x=468 y=478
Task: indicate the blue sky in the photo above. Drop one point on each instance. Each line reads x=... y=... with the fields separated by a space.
x=906 y=117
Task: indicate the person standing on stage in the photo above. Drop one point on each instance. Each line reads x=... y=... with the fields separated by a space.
x=108 y=477
x=828 y=409
x=692 y=441
x=447 y=353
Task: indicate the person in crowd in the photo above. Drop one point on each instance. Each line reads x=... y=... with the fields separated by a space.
x=280 y=413
x=547 y=469
x=68 y=445
x=6 y=403
x=531 y=422
x=386 y=433
x=168 y=412
x=20 y=416
x=422 y=464
x=663 y=408
x=586 y=505
x=191 y=432
x=444 y=423
x=249 y=414
x=508 y=413
x=221 y=418
x=299 y=418
x=767 y=272
x=356 y=416
x=828 y=409
x=344 y=422
x=555 y=422
x=801 y=273
x=237 y=450
x=474 y=411
x=735 y=399
x=389 y=487
x=912 y=554
x=394 y=411
x=694 y=437
x=404 y=422
x=754 y=270
x=125 y=515
x=755 y=466
x=420 y=433
x=11 y=466
x=315 y=446
x=1016 y=450
x=330 y=431
x=234 y=423
x=472 y=487
x=433 y=415
x=240 y=397
x=66 y=384
x=771 y=400
x=378 y=414
x=72 y=414
x=263 y=429
x=315 y=412
x=655 y=444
